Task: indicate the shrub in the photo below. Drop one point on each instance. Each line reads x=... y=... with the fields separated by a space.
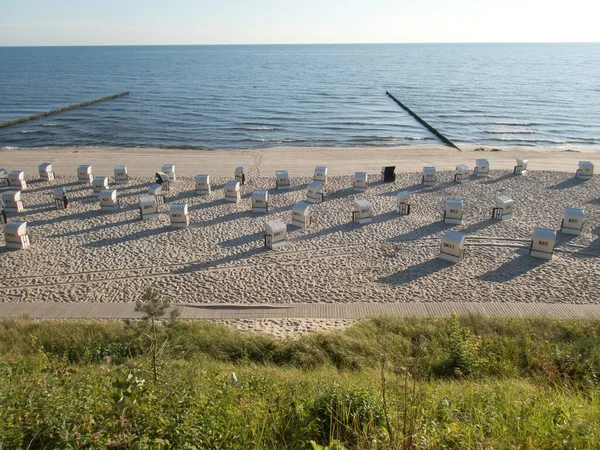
x=345 y=414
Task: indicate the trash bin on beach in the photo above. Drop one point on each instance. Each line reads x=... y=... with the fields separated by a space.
x=180 y=216
x=203 y=185
x=99 y=184
x=521 y=167
x=542 y=244
x=282 y=180
x=362 y=213
x=585 y=171
x=148 y=207
x=453 y=211
x=452 y=247
x=402 y=202
x=482 y=168
x=239 y=175
x=315 y=192
x=462 y=173
x=572 y=222
x=275 y=234
x=504 y=207
x=429 y=176
x=59 y=195
x=45 y=171
x=12 y=201
x=301 y=215
x=121 y=175
x=320 y=174
x=388 y=174
x=108 y=200
x=15 y=235
x=232 y=191
x=360 y=182
x=260 y=201
x=84 y=174
x=169 y=169
x=16 y=180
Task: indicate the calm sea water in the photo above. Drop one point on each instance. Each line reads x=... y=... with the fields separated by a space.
x=306 y=95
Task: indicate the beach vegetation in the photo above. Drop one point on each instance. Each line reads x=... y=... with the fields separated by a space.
x=383 y=383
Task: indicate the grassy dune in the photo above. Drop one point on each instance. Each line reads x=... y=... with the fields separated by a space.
x=384 y=383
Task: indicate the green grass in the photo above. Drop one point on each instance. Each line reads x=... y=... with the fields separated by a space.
x=384 y=383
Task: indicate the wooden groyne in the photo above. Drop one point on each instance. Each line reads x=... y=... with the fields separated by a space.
x=66 y=108
x=443 y=138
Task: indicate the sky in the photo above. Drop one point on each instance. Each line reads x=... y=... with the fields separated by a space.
x=178 y=22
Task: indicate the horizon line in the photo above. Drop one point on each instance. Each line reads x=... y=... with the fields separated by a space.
x=304 y=43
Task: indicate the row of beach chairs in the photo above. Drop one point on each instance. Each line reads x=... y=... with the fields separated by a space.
x=452 y=247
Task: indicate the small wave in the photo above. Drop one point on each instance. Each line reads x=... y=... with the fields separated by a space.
x=52 y=125
x=526 y=141
x=515 y=124
x=272 y=140
x=31 y=131
x=387 y=138
x=259 y=128
x=509 y=131
x=9 y=148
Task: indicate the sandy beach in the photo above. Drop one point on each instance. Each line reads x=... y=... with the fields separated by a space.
x=85 y=255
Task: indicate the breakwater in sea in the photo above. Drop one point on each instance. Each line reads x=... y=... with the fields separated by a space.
x=303 y=95
x=59 y=110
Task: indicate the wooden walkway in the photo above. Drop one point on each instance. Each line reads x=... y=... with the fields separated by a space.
x=301 y=310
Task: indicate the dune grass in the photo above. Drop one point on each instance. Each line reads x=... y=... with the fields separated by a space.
x=384 y=383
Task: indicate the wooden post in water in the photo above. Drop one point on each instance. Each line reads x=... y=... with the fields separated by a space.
x=59 y=110
x=443 y=138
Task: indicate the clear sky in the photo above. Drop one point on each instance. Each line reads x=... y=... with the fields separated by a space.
x=123 y=22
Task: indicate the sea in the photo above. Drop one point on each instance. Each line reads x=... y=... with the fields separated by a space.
x=252 y=96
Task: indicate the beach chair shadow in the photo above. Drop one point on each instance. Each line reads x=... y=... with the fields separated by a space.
x=235 y=242
x=341 y=193
x=196 y=267
x=5 y=249
x=512 y=269
x=110 y=241
x=96 y=228
x=591 y=251
x=75 y=186
x=40 y=209
x=228 y=218
x=562 y=238
x=441 y=186
x=129 y=187
x=595 y=201
x=415 y=272
x=424 y=231
x=346 y=227
x=61 y=218
x=31 y=190
x=390 y=215
x=567 y=184
x=500 y=179
x=474 y=228
x=275 y=210
x=294 y=188
x=206 y=205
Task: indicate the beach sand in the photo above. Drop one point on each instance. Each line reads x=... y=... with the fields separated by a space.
x=299 y=161
x=85 y=255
